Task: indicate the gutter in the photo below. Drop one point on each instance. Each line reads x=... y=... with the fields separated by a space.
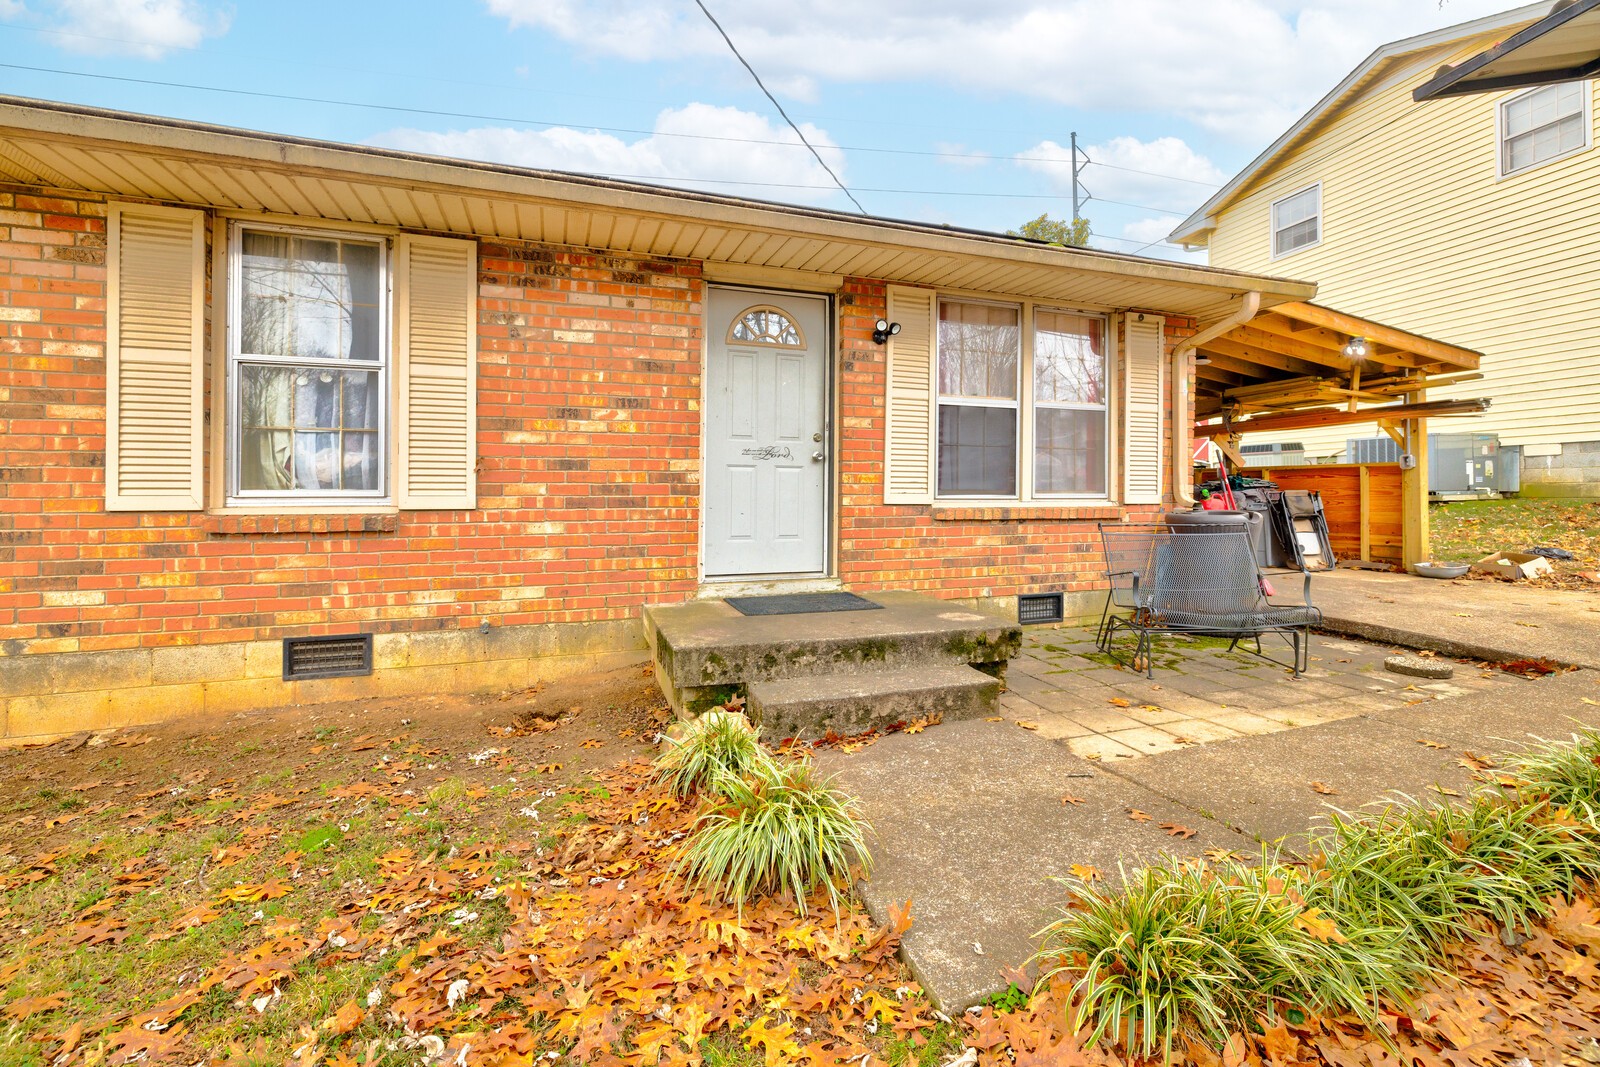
x=1182 y=433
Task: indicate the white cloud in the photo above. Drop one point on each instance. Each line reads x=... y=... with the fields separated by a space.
x=1241 y=68
x=10 y=9
x=1164 y=174
x=148 y=29
x=736 y=167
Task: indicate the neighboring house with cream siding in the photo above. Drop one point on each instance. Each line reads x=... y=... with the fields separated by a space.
x=1475 y=218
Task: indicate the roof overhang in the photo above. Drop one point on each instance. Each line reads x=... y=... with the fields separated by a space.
x=69 y=147
x=1295 y=367
x=1563 y=46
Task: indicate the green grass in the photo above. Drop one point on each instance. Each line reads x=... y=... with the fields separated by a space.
x=942 y=1045
x=782 y=829
x=1467 y=530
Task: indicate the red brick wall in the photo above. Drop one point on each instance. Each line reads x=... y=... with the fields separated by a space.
x=588 y=486
x=52 y=422
x=973 y=552
x=588 y=398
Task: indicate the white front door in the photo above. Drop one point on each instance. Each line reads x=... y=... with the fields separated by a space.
x=767 y=461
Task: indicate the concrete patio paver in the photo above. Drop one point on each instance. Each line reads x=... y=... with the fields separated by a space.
x=1202 y=692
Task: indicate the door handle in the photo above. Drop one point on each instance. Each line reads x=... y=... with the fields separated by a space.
x=818 y=456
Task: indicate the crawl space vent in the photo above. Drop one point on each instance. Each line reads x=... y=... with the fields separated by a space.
x=326 y=657
x=1040 y=607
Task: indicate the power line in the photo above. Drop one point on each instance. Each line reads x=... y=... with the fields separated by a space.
x=624 y=177
x=762 y=86
x=1140 y=207
x=519 y=121
x=1136 y=170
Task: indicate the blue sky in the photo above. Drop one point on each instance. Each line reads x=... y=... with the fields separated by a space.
x=953 y=111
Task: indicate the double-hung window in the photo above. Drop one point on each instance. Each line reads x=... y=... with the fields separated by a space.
x=980 y=361
x=308 y=367
x=1297 y=221
x=1543 y=124
x=1022 y=405
x=1069 y=404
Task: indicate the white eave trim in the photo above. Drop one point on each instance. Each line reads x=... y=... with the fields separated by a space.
x=287 y=153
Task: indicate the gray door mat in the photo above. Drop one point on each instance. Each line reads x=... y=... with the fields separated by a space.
x=800 y=603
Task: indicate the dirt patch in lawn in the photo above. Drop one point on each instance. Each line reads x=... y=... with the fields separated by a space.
x=582 y=723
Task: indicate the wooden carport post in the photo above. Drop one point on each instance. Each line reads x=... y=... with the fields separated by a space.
x=1414 y=547
x=1412 y=437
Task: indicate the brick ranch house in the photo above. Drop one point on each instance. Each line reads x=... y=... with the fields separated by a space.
x=256 y=387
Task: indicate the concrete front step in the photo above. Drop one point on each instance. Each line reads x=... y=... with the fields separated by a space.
x=852 y=703
x=706 y=652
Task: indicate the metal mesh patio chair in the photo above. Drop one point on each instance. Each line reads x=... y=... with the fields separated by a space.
x=1194 y=580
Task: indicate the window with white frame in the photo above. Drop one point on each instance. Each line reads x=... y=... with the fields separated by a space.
x=1069 y=404
x=1297 y=221
x=980 y=361
x=989 y=424
x=1543 y=124
x=308 y=366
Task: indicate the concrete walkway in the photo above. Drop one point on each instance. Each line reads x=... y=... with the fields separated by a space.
x=1480 y=619
x=973 y=820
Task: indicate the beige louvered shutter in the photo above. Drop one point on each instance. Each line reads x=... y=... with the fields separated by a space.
x=155 y=323
x=1143 y=443
x=436 y=281
x=908 y=476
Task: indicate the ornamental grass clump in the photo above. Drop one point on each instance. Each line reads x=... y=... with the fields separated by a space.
x=1204 y=950
x=1434 y=870
x=718 y=746
x=781 y=828
x=1567 y=774
x=1207 y=950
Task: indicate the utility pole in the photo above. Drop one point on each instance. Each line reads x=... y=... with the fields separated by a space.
x=1077 y=168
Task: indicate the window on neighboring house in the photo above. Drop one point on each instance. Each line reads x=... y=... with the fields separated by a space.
x=1543 y=124
x=980 y=359
x=308 y=366
x=1069 y=404
x=1297 y=221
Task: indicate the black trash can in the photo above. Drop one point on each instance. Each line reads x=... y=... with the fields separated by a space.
x=1254 y=522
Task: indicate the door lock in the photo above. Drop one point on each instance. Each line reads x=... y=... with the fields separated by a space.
x=817 y=437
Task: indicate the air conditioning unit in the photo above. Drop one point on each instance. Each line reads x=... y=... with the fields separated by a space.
x=1459 y=464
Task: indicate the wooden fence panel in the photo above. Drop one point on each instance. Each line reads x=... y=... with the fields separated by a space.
x=1372 y=531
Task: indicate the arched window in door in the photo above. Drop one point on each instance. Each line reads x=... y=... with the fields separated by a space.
x=765 y=325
